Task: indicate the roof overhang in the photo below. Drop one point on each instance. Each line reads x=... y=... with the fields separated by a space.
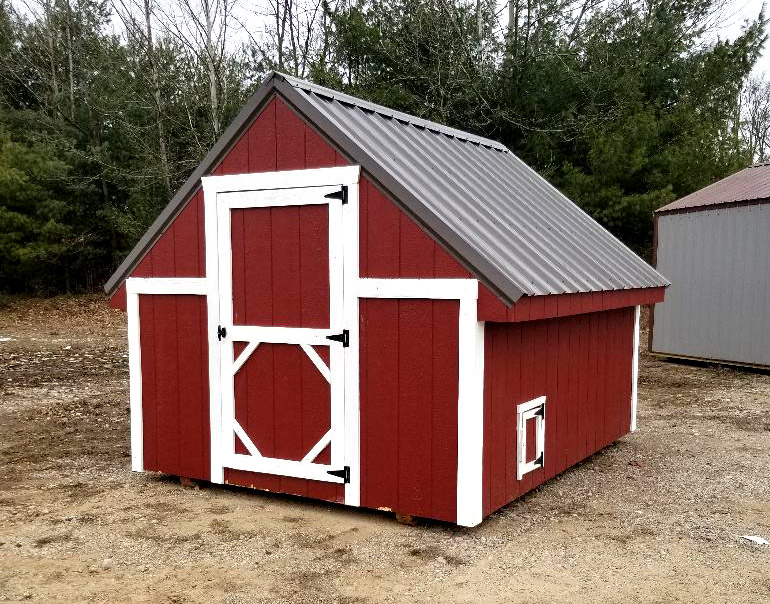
x=276 y=83
x=712 y=206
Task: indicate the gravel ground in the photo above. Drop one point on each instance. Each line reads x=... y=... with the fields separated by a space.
x=656 y=517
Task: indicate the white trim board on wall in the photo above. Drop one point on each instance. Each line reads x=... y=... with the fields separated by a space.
x=470 y=403
x=134 y=288
x=635 y=369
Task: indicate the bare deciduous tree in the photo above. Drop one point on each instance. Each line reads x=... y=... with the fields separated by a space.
x=140 y=32
x=755 y=122
x=296 y=34
x=203 y=27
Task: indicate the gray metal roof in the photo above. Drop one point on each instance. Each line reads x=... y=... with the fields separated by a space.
x=501 y=219
x=751 y=184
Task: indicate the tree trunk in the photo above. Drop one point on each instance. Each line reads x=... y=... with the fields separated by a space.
x=68 y=28
x=157 y=98
x=51 y=54
x=211 y=67
x=513 y=26
x=576 y=26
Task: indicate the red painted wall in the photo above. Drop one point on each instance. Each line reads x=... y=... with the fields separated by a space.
x=582 y=364
x=281 y=266
x=534 y=308
x=409 y=373
x=175 y=399
x=393 y=246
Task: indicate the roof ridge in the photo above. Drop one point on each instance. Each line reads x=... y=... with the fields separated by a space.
x=390 y=113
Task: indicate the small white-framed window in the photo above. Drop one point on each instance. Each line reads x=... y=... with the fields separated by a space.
x=533 y=410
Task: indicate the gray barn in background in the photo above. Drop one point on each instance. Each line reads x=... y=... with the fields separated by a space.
x=714 y=247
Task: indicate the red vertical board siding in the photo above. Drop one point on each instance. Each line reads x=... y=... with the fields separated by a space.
x=263 y=138
x=582 y=364
x=118 y=299
x=532 y=308
x=175 y=405
x=290 y=149
x=393 y=246
x=237 y=160
x=409 y=374
x=318 y=153
x=149 y=368
x=280 y=266
x=180 y=250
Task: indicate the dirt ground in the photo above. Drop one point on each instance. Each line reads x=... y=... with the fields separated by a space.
x=656 y=517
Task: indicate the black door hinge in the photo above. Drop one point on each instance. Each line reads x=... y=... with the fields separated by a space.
x=221 y=332
x=342 y=195
x=541 y=412
x=539 y=461
x=343 y=337
x=344 y=473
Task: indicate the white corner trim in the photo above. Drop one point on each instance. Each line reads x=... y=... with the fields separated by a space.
x=244 y=356
x=135 y=381
x=525 y=412
x=166 y=285
x=315 y=451
x=470 y=417
x=635 y=369
x=319 y=363
x=244 y=438
x=212 y=310
x=288 y=179
x=351 y=320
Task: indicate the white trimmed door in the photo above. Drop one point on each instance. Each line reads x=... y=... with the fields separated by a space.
x=281 y=336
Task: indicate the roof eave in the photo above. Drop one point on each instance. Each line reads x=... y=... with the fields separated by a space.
x=172 y=209
x=664 y=211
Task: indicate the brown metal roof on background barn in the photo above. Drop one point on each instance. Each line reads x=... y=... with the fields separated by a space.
x=750 y=184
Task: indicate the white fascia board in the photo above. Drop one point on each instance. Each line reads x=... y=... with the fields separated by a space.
x=288 y=179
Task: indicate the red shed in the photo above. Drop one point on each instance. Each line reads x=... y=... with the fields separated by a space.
x=357 y=305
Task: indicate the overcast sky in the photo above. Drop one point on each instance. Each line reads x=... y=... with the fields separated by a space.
x=735 y=18
x=727 y=24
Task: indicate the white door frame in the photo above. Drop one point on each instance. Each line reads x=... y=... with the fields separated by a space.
x=221 y=193
x=470 y=408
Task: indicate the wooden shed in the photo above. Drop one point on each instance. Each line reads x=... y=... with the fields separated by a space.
x=352 y=304
x=714 y=245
